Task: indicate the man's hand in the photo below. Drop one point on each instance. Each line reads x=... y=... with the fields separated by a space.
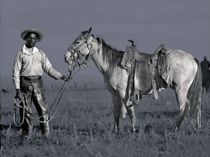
x=18 y=95
x=66 y=77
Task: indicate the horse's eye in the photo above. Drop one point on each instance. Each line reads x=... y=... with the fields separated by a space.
x=77 y=42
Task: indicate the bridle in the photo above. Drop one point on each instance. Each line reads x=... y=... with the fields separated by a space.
x=79 y=58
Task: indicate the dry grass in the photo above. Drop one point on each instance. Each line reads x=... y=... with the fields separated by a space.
x=83 y=123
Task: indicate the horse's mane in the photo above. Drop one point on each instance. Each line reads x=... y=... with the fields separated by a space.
x=110 y=54
x=114 y=56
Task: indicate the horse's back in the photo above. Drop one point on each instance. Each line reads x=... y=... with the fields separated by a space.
x=181 y=60
x=181 y=66
x=142 y=57
x=180 y=56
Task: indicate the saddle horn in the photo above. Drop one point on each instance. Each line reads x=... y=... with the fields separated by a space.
x=131 y=41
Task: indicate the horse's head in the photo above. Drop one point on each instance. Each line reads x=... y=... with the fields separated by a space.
x=80 y=49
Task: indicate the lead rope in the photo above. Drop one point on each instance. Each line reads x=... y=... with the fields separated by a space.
x=58 y=98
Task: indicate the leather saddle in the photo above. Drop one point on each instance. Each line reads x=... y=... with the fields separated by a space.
x=148 y=71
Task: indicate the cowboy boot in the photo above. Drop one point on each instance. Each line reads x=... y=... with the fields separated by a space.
x=45 y=128
x=26 y=130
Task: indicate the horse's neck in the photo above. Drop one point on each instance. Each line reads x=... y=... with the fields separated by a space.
x=100 y=63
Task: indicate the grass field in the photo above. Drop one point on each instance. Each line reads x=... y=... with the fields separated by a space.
x=83 y=123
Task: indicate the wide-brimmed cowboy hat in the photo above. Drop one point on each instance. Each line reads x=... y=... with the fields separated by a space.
x=32 y=30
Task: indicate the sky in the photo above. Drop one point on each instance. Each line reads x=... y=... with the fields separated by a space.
x=180 y=24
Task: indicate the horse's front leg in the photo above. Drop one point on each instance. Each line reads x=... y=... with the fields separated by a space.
x=131 y=114
x=116 y=123
x=116 y=112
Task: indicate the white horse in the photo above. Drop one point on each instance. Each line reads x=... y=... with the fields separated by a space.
x=185 y=77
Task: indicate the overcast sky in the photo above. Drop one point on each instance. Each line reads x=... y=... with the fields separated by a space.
x=182 y=24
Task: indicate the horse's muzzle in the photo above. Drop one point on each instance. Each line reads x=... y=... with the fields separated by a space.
x=67 y=57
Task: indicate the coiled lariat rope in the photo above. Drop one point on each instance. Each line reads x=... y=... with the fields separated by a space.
x=54 y=105
x=16 y=105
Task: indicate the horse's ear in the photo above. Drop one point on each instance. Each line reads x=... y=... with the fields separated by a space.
x=87 y=31
x=84 y=32
x=90 y=29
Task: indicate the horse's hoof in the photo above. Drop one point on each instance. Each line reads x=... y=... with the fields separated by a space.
x=116 y=132
x=134 y=130
x=174 y=129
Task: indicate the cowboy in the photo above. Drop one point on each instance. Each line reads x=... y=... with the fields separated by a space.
x=29 y=66
x=128 y=63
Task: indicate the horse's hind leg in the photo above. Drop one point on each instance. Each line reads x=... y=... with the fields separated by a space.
x=181 y=95
x=179 y=119
x=116 y=110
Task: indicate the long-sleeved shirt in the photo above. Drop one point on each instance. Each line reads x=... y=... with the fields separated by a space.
x=32 y=62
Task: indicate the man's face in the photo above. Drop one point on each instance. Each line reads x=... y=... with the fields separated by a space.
x=31 y=40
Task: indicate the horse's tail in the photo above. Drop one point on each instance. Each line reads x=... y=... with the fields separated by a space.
x=194 y=97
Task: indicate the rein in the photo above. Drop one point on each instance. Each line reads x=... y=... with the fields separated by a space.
x=58 y=98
